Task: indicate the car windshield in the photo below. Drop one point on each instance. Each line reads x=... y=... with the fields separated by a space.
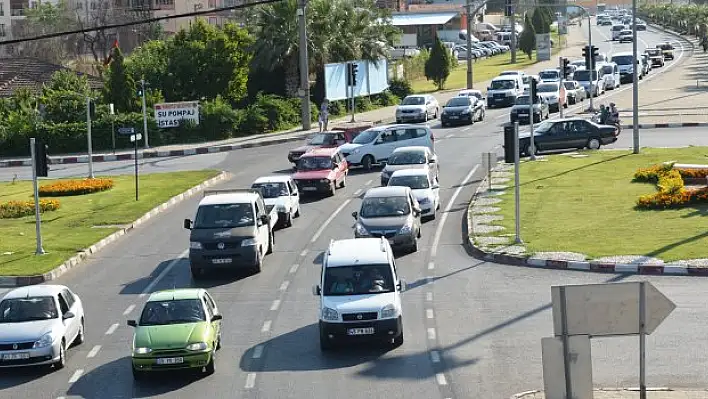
x=219 y=216
x=471 y=94
x=178 y=311
x=272 y=190
x=414 y=182
x=584 y=76
x=322 y=139
x=20 y=310
x=523 y=100
x=381 y=207
x=569 y=85
x=502 y=85
x=544 y=126
x=547 y=87
x=366 y=137
x=407 y=158
x=548 y=75
x=459 y=102
x=654 y=52
x=358 y=280
x=413 y=101
x=314 y=163
x=622 y=59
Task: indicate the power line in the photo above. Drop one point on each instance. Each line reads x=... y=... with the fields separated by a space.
x=141 y=22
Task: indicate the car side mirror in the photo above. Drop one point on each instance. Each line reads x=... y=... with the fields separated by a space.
x=355 y=215
x=265 y=219
x=187 y=224
x=431 y=160
x=132 y=323
x=68 y=315
x=416 y=212
x=401 y=286
x=217 y=317
x=316 y=291
x=335 y=166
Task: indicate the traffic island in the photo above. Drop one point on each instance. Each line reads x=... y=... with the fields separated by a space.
x=606 y=211
x=628 y=393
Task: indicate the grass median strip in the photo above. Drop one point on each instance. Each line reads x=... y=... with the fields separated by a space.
x=82 y=220
x=586 y=204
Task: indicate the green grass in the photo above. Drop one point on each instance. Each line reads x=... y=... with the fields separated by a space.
x=586 y=205
x=70 y=228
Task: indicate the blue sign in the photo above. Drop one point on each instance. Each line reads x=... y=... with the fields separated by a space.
x=126 y=130
x=371 y=78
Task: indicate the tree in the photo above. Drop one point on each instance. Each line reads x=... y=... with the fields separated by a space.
x=437 y=68
x=527 y=39
x=63 y=98
x=149 y=62
x=44 y=19
x=120 y=87
x=541 y=20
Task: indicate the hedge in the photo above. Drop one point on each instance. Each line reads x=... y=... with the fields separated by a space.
x=67 y=188
x=18 y=209
x=672 y=192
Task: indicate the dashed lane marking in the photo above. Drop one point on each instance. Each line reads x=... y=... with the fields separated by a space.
x=429 y=296
x=329 y=220
x=429 y=313
x=275 y=305
x=258 y=352
x=431 y=334
x=266 y=326
x=431 y=265
x=75 y=377
x=94 y=351
x=357 y=192
x=303 y=253
x=369 y=182
x=440 y=377
x=284 y=285
x=112 y=329
x=293 y=268
x=250 y=381
x=128 y=310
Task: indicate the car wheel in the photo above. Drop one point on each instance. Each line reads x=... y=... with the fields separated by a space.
x=435 y=116
x=481 y=115
x=594 y=144
x=367 y=162
x=81 y=335
x=218 y=342
x=325 y=344
x=414 y=246
x=297 y=212
x=332 y=188
x=61 y=363
x=271 y=241
x=288 y=221
x=443 y=124
x=530 y=152
x=210 y=368
x=434 y=215
x=259 y=262
x=398 y=341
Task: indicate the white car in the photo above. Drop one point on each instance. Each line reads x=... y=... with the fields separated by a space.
x=376 y=144
x=425 y=189
x=471 y=93
x=360 y=294
x=626 y=36
x=417 y=108
x=281 y=192
x=414 y=157
x=552 y=93
x=37 y=324
x=549 y=75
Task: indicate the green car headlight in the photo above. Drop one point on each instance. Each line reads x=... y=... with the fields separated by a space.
x=142 y=351
x=199 y=346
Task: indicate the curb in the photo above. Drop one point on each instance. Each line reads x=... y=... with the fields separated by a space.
x=527 y=394
x=19 y=281
x=666 y=125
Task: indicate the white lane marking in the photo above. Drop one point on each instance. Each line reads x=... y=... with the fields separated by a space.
x=128 y=310
x=431 y=265
x=163 y=273
x=429 y=296
x=429 y=313
x=435 y=356
x=357 y=192
x=275 y=305
x=329 y=220
x=94 y=351
x=284 y=285
x=446 y=212
x=250 y=381
x=293 y=268
x=303 y=253
x=431 y=334
x=112 y=329
x=368 y=182
x=258 y=352
x=502 y=116
x=266 y=326
x=75 y=377
x=440 y=377
x=451 y=135
x=467 y=128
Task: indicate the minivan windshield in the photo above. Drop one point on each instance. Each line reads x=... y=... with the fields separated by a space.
x=357 y=280
x=547 y=87
x=608 y=70
x=548 y=75
x=382 y=207
x=523 y=100
x=618 y=28
x=417 y=100
x=366 y=137
x=622 y=59
x=459 y=102
x=219 y=216
x=584 y=76
x=502 y=85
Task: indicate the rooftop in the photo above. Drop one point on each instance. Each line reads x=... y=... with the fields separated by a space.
x=32 y=74
x=357 y=251
x=235 y=197
x=177 y=294
x=413 y=19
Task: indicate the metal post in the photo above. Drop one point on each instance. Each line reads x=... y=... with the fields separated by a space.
x=352 y=92
x=145 y=119
x=489 y=169
x=566 y=351
x=111 y=110
x=592 y=60
x=135 y=146
x=635 y=87
x=470 y=81
x=88 y=137
x=512 y=19
x=561 y=68
x=304 y=66
x=642 y=341
x=532 y=140
x=37 y=218
x=517 y=185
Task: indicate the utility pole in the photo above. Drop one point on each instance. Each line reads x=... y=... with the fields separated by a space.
x=37 y=218
x=512 y=19
x=88 y=137
x=304 y=66
x=145 y=119
x=470 y=18
x=635 y=95
x=592 y=60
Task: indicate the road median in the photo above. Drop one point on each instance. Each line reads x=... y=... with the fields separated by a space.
x=628 y=393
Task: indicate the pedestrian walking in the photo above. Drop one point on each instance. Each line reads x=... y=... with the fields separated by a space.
x=324 y=115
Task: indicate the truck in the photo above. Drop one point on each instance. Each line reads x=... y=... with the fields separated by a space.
x=233 y=229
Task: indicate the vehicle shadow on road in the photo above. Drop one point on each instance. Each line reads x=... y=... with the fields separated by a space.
x=15 y=377
x=136 y=287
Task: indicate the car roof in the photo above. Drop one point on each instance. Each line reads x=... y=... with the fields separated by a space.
x=396 y=125
x=622 y=54
x=569 y=119
x=550 y=70
x=470 y=91
x=411 y=148
x=411 y=172
x=506 y=77
x=229 y=198
x=417 y=95
x=320 y=152
x=357 y=251
x=35 y=291
x=393 y=191
x=508 y=73
x=176 y=294
x=273 y=179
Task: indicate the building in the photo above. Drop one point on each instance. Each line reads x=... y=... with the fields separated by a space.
x=427 y=25
x=30 y=73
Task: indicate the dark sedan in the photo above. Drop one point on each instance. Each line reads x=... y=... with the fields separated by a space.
x=468 y=109
x=568 y=133
x=520 y=110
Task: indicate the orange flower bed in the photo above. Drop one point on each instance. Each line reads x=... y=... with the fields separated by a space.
x=18 y=209
x=671 y=191
x=75 y=187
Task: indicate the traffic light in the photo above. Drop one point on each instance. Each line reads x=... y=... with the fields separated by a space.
x=565 y=63
x=594 y=52
x=508 y=8
x=352 y=71
x=533 y=90
x=41 y=158
x=586 y=54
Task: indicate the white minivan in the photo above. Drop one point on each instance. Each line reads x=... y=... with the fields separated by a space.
x=610 y=74
x=504 y=89
x=376 y=144
x=360 y=294
x=616 y=30
x=593 y=83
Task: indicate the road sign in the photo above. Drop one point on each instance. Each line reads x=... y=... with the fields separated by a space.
x=608 y=309
x=126 y=130
x=580 y=367
x=134 y=137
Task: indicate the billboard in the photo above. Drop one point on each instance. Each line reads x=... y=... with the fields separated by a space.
x=372 y=78
x=543 y=47
x=172 y=114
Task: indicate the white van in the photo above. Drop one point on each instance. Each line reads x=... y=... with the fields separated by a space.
x=375 y=145
x=610 y=74
x=627 y=66
x=360 y=294
x=592 y=82
x=504 y=89
x=616 y=30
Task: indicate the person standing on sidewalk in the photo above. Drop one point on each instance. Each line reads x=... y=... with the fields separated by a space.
x=324 y=115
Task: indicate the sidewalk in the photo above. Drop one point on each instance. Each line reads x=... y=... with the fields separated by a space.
x=629 y=393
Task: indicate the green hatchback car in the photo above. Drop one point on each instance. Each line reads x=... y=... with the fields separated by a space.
x=178 y=329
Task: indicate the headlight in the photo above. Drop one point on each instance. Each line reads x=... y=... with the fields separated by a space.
x=360 y=230
x=406 y=229
x=195 y=245
x=389 y=311
x=142 y=351
x=44 y=341
x=199 y=346
x=325 y=181
x=248 y=242
x=330 y=314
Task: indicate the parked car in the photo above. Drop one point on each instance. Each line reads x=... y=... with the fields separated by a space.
x=417 y=108
x=321 y=170
x=574 y=91
x=467 y=109
x=568 y=133
x=520 y=110
x=322 y=140
x=376 y=144
x=281 y=192
x=655 y=56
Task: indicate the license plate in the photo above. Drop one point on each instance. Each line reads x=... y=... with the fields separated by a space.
x=360 y=331
x=309 y=189
x=454 y=117
x=170 y=360
x=221 y=261
x=16 y=356
x=524 y=115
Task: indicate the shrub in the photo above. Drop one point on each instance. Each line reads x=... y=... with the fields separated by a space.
x=269 y=113
x=414 y=67
x=651 y=174
x=18 y=209
x=693 y=173
x=386 y=99
x=400 y=88
x=671 y=190
x=75 y=187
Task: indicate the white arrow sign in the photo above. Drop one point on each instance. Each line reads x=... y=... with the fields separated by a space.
x=608 y=309
x=134 y=137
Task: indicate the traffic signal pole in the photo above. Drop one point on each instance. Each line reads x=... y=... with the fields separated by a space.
x=37 y=218
x=532 y=101
x=561 y=89
x=88 y=135
x=635 y=113
x=592 y=61
x=145 y=120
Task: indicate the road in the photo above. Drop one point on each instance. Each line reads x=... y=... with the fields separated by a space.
x=473 y=329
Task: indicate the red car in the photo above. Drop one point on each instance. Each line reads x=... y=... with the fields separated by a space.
x=321 y=170
x=331 y=139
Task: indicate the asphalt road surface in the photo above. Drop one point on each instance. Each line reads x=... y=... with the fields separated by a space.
x=473 y=329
